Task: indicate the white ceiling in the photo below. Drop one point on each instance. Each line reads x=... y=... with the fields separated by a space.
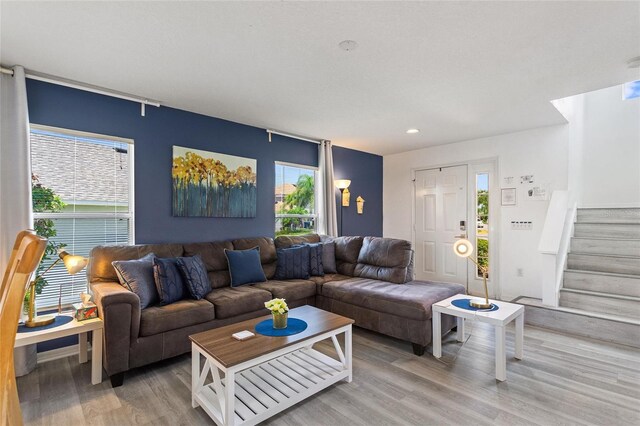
x=456 y=70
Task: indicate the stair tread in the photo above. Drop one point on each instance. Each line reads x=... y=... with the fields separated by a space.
x=538 y=304
x=609 y=223
x=622 y=256
x=605 y=238
x=600 y=294
x=613 y=274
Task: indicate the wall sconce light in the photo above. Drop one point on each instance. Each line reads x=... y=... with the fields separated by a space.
x=360 y=204
x=343 y=185
x=346 y=197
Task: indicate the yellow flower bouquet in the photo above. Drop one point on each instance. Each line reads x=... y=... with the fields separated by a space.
x=279 y=311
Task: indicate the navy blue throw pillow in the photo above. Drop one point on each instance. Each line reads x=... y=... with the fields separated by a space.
x=168 y=280
x=195 y=276
x=293 y=263
x=137 y=276
x=316 y=268
x=329 y=257
x=245 y=266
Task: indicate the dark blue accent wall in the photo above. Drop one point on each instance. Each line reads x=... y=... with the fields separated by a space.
x=161 y=128
x=365 y=172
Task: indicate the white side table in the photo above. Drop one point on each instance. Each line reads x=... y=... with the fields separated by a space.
x=81 y=328
x=506 y=313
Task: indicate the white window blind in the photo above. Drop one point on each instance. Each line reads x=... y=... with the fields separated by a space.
x=81 y=198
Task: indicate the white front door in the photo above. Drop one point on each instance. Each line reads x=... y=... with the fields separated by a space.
x=441 y=215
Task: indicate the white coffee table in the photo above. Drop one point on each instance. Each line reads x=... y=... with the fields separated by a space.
x=81 y=328
x=506 y=313
x=245 y=383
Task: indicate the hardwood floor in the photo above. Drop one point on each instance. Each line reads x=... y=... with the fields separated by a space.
x=562 y=380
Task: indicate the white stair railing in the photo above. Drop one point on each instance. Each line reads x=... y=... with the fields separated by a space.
x=554 y=244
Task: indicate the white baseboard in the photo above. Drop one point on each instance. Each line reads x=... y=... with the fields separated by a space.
x=61 y=353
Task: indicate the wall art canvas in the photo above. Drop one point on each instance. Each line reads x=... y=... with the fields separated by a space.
x=208 y=184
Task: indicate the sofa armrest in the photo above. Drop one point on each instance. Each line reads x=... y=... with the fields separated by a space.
x=119 y=308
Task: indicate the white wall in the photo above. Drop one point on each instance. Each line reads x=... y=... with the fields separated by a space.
x=542 y=152
x=610 y=151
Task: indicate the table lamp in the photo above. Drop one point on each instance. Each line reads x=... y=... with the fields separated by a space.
x=464 y=248
x=74 y=264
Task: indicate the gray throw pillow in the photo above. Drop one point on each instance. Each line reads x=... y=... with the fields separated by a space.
x=137 y=276
x=329 y=257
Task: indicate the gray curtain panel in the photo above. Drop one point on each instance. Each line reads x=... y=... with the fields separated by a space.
x=327 y=220
x=15 y=162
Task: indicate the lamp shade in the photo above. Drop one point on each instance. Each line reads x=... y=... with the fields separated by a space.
x=463 y=248
x=342 y=183
x=73 y=263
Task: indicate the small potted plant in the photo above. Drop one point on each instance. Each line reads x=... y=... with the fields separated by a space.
x=279 y=311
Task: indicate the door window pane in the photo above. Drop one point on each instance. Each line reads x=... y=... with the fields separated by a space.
x=482 y=221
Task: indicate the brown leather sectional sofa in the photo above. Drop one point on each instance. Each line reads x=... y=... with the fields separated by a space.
x=374 y=286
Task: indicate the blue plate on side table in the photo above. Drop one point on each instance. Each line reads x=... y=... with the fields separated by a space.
x=294 y=326
x=60 y=320
x=466 y=304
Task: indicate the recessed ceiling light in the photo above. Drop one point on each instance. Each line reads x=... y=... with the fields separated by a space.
x=348 y=45
x=412 y=131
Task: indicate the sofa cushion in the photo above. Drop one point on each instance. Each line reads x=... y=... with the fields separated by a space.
x=412 y=300
x=169 y=282
x=385 y=259
x=232 y=301
x=244 y=266
x=290 y=289
x=286 y=241
x=293 y=263
x=268 y=256
x=158 y=319
x=137 y=276
x=319 y=281
x=212 y=255
x=347 y=251
x=100 y=268
x=195 y=276
x=329 y=277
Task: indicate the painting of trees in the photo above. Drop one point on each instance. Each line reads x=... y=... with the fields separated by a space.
x=213 y=185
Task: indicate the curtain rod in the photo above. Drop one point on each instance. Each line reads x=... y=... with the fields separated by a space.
x=289 y=135
x=83 y=86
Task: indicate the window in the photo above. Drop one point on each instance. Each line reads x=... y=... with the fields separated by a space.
x=631 y=90
x=482 y=221
x=295 y=199
x=82 y=197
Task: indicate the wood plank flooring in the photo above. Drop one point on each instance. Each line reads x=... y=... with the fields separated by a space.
x=563 y=380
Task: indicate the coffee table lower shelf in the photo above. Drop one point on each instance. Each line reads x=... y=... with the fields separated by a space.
x=268 y=385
